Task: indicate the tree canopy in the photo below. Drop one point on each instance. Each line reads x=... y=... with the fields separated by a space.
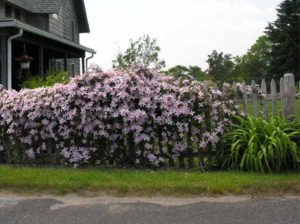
x=181 y=71
x=144 y=51
x=255 y=64
x=221 y=66
x=284 y=35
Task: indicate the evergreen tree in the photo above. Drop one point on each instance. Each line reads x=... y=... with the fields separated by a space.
x=284 y=34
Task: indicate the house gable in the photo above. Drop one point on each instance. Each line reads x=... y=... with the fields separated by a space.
x=65 y=23
x=50 y=7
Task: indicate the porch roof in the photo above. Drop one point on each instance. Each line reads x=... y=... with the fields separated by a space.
x=13 y=23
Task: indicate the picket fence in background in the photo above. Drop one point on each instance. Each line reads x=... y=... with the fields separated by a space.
x=286 y=96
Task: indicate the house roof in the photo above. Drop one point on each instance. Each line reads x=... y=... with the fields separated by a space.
x=53 y=7
x=6 y=22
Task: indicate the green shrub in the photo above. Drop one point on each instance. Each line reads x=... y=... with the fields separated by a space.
x=255 y=144
x=50 y=80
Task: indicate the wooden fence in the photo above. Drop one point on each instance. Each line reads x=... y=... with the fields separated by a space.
x=283 y=100
x=286 y=96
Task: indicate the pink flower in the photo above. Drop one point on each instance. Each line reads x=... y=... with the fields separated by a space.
x=30 y=154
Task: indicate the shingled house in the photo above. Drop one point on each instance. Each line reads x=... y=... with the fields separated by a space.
x=48 y=30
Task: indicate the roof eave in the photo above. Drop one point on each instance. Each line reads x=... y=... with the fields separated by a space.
x=86 y=29
x=4 y=22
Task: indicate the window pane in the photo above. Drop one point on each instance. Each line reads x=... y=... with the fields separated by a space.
x=18 y=14
x=8 y=10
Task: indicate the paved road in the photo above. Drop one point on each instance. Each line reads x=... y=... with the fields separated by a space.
x=14 y=210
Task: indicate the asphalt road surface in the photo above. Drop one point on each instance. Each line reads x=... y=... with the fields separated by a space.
x=71 y=209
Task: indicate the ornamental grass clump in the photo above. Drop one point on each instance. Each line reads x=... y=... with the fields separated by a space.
x=255 y=144
x=139 y=118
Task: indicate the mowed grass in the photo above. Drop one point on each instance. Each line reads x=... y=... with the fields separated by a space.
x=145 y=183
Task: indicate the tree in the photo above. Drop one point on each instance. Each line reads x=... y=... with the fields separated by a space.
x=198 y=74
x=221 y=66
x=255 y=64
x=144 y=52
x=179 y=71
x=194 y=72
x=284 y=34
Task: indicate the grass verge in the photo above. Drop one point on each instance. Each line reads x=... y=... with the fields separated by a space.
x=145 y=183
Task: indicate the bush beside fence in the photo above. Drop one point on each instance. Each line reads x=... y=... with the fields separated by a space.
x=140 y=118
x=136 y=118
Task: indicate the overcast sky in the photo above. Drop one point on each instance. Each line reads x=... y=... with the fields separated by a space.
x=186 y=30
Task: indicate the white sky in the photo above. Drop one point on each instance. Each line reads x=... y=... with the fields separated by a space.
x=186 y=30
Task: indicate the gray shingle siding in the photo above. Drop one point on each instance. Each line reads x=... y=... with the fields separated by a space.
x=62 y=25
x=56 y=24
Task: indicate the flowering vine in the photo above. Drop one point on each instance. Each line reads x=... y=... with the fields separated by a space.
x=139 y=117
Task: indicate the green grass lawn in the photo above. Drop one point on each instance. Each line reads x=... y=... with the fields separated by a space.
x=144 y=183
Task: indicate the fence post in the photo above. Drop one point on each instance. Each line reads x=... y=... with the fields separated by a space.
x=225 y=88
x=290 y=94
x=274 y=97
x=245 y=99
x=282 y=96
x=265 y=98
x=190 y=150
x=235 y=92
x=254 y=98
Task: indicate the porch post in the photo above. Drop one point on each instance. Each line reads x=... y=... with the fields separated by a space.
x=3 y=62
x=83 y=65
x=66 y=62
x=41 y=61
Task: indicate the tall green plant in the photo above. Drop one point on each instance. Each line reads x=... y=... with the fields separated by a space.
x=47 y=81
x=255 y=144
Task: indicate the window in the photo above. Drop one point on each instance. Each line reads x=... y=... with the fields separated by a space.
x=8 y=11
x=59 y=66
x=13 y=12
x=73 y=31
x=17 y=14
x=73 y=69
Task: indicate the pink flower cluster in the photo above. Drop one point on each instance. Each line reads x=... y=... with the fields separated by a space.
x=139 y=117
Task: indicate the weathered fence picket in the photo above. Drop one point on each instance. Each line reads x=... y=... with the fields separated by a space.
x=264 y=99
x=254 y=99
x=289 y=88
x=274 y=97
x=235 y=92
x=282 y=96
x=287 y=96
x=245 y=99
